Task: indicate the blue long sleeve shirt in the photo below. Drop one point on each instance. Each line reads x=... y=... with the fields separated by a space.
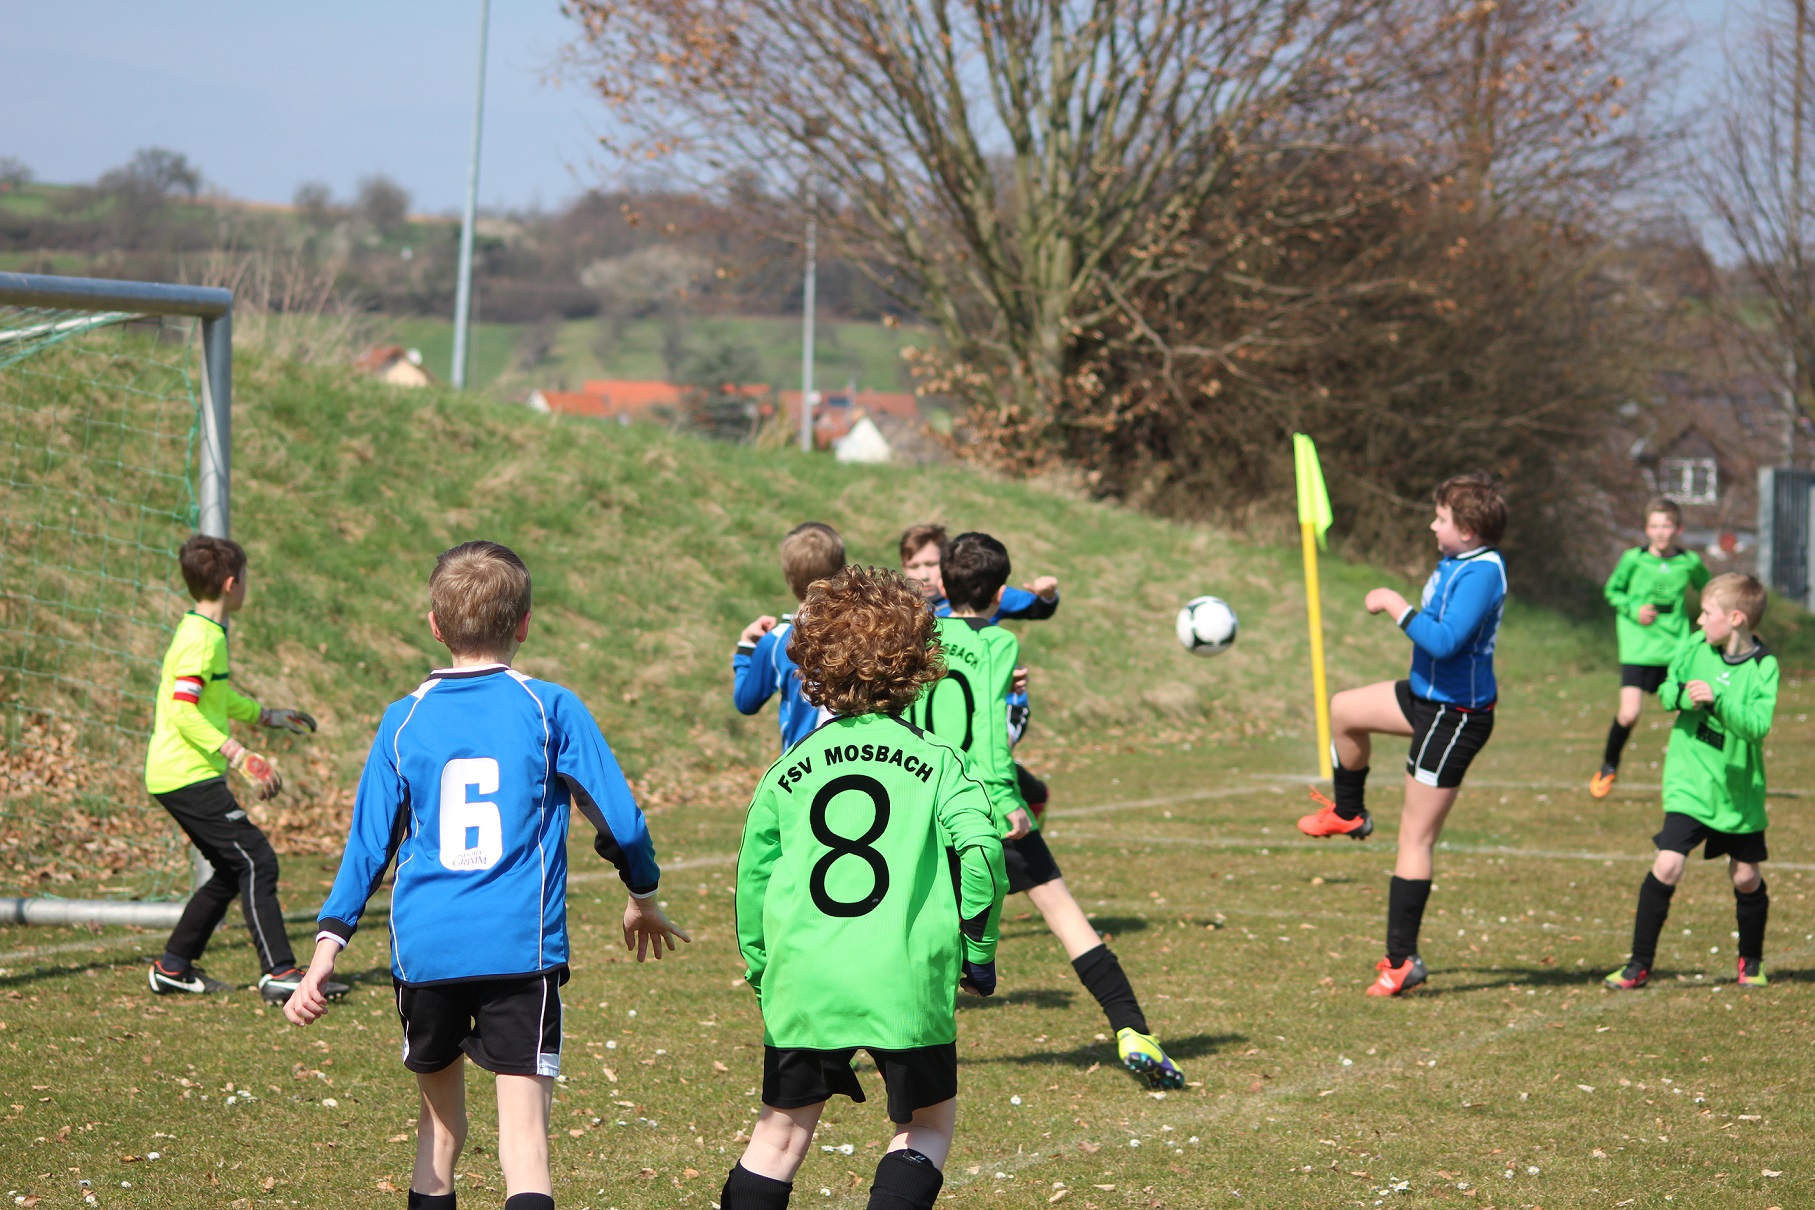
x=468 y=786
x=760 y=672
x=1018 y=604
x=1454 y=631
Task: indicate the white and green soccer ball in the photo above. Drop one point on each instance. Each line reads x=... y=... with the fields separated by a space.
x=1207 y=626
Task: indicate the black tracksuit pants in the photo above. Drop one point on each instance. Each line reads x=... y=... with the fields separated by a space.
x=244 y=866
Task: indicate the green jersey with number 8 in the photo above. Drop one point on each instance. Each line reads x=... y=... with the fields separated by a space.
x=968 y=706
x=870 y=869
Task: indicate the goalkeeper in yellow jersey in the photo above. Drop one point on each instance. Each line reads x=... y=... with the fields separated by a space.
x=186 y=771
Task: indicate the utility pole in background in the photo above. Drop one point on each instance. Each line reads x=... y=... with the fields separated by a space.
x=814 y=128
x=463 y=293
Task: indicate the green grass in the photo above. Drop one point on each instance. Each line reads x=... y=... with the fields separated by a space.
x=1175 y=781
x=869 y=353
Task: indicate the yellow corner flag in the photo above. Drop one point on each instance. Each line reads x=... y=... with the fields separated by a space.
x=1314 y=519
x=1313 y=500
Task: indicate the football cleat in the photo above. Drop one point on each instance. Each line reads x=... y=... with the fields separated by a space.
x=1628 y=978
x=1752 y=973
x=1396 y=979
x=277 y=986
x=1326 y=822
x=1142 y=1054
x=194 y=981
x=1601 y=784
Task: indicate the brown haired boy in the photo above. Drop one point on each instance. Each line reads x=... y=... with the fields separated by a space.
x=186 y=764
x=845 y=916
x=1446 y=708
x=760 y=667
x=921 y=548
x=469 y=786
x=1723 y=683
x=1649 y=591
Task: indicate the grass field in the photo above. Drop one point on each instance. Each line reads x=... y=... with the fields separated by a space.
x=1175 y=785
x=1514 y=1081
x=868 y=353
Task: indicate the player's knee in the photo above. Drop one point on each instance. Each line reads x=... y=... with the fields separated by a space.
x=1668 y=867
x=1746 y=877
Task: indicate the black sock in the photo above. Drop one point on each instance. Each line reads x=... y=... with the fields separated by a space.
x=1648 y=923
x=745 y=1190
x=173 y=964
x=1102 y=976
x=1351 y=791
x=528 y=1201
x=432 y=1201
x=1752 y=909
x=1617 y=735
x=905 y=1180
x=1405 y=900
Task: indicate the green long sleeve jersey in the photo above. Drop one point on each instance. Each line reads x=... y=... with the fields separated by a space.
x=1714 y=768
x=870 y=869
x=1642 y=578
x=968 y=706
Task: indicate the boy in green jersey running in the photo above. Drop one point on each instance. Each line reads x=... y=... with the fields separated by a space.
x=186 y=767
x=1724 y=684
x=869 y=887
x=1649 y=593
x=971 y=708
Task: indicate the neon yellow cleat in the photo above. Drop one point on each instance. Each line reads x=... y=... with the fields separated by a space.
x=1142 y=1054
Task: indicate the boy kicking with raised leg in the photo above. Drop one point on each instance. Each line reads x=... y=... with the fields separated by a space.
x=1445 y=708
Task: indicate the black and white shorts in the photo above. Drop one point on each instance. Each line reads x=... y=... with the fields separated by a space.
x=1445 y=738
x=794 y=1076
x=510 y=1027
x=1029 y=863
x=1646 y=678
x=1681 y=833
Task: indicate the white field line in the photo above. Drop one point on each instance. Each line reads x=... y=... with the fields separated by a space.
x=1506 y=784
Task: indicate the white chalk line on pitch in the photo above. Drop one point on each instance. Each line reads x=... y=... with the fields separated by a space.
x=1504 y=784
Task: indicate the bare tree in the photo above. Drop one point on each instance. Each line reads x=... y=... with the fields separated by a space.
x=1754 y=177
x=1004 y=169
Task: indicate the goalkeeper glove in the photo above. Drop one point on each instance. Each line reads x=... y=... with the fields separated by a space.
x=266 y=780
x=979 y=978
x=290 y=720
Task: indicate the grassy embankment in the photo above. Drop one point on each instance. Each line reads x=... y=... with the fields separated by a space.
x=1514 y=1082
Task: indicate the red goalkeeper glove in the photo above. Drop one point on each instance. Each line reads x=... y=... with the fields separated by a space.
x=266 y=780
x=295 y=721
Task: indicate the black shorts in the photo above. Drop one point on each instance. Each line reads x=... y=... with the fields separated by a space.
x=1029 y=863
x=1646 y=678
x=1033 y=790
x=1681 y=833
x=1445 y=738
x=916 y=1078
x=510 y=1027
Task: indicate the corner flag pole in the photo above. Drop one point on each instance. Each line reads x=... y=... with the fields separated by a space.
x=1314 y=519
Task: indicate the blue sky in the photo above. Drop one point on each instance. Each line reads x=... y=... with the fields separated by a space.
x=265 y=96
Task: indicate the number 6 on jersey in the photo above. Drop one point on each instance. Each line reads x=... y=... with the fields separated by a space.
x=472 y=832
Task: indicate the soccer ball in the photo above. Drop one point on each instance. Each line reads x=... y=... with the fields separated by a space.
x=1207 y=626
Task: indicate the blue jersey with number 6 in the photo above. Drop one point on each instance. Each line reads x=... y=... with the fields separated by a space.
x=468 y=785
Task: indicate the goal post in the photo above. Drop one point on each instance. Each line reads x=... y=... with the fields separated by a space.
x=113 y=455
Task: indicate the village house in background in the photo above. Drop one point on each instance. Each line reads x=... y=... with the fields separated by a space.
x=394 y=364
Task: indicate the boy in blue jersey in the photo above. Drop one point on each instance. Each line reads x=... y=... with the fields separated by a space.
x=468 y=786
x=1446 y=707
x=761 y=666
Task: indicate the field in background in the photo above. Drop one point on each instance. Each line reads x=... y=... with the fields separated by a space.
x=1516 y=1082
x=868 y=353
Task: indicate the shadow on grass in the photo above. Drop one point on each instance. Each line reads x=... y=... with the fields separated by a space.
x=1193 y=1046
x=1116 y=926
x=1503 y=979
x=1038 y=997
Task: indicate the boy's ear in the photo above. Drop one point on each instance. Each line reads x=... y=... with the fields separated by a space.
x=435 y=628
x=523 y=628
x=998 y=601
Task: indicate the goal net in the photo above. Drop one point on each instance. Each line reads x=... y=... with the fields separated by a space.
x=101 y=427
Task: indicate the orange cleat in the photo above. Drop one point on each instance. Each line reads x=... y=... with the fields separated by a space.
x=1601 y=784
x=1326 y=822
x=1396 y=979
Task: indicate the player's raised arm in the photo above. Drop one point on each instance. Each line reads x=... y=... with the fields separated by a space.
x=1478 y=592
x=753 y=676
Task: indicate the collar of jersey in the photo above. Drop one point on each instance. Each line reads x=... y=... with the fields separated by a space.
x=1476 y=553
x=1758 y=652
x=450 y=674
x=193 y=614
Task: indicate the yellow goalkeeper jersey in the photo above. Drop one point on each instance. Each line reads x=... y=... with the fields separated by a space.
x=195 y=700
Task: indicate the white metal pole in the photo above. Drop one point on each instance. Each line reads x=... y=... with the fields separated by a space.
x=463 y=295
x=806 y=323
